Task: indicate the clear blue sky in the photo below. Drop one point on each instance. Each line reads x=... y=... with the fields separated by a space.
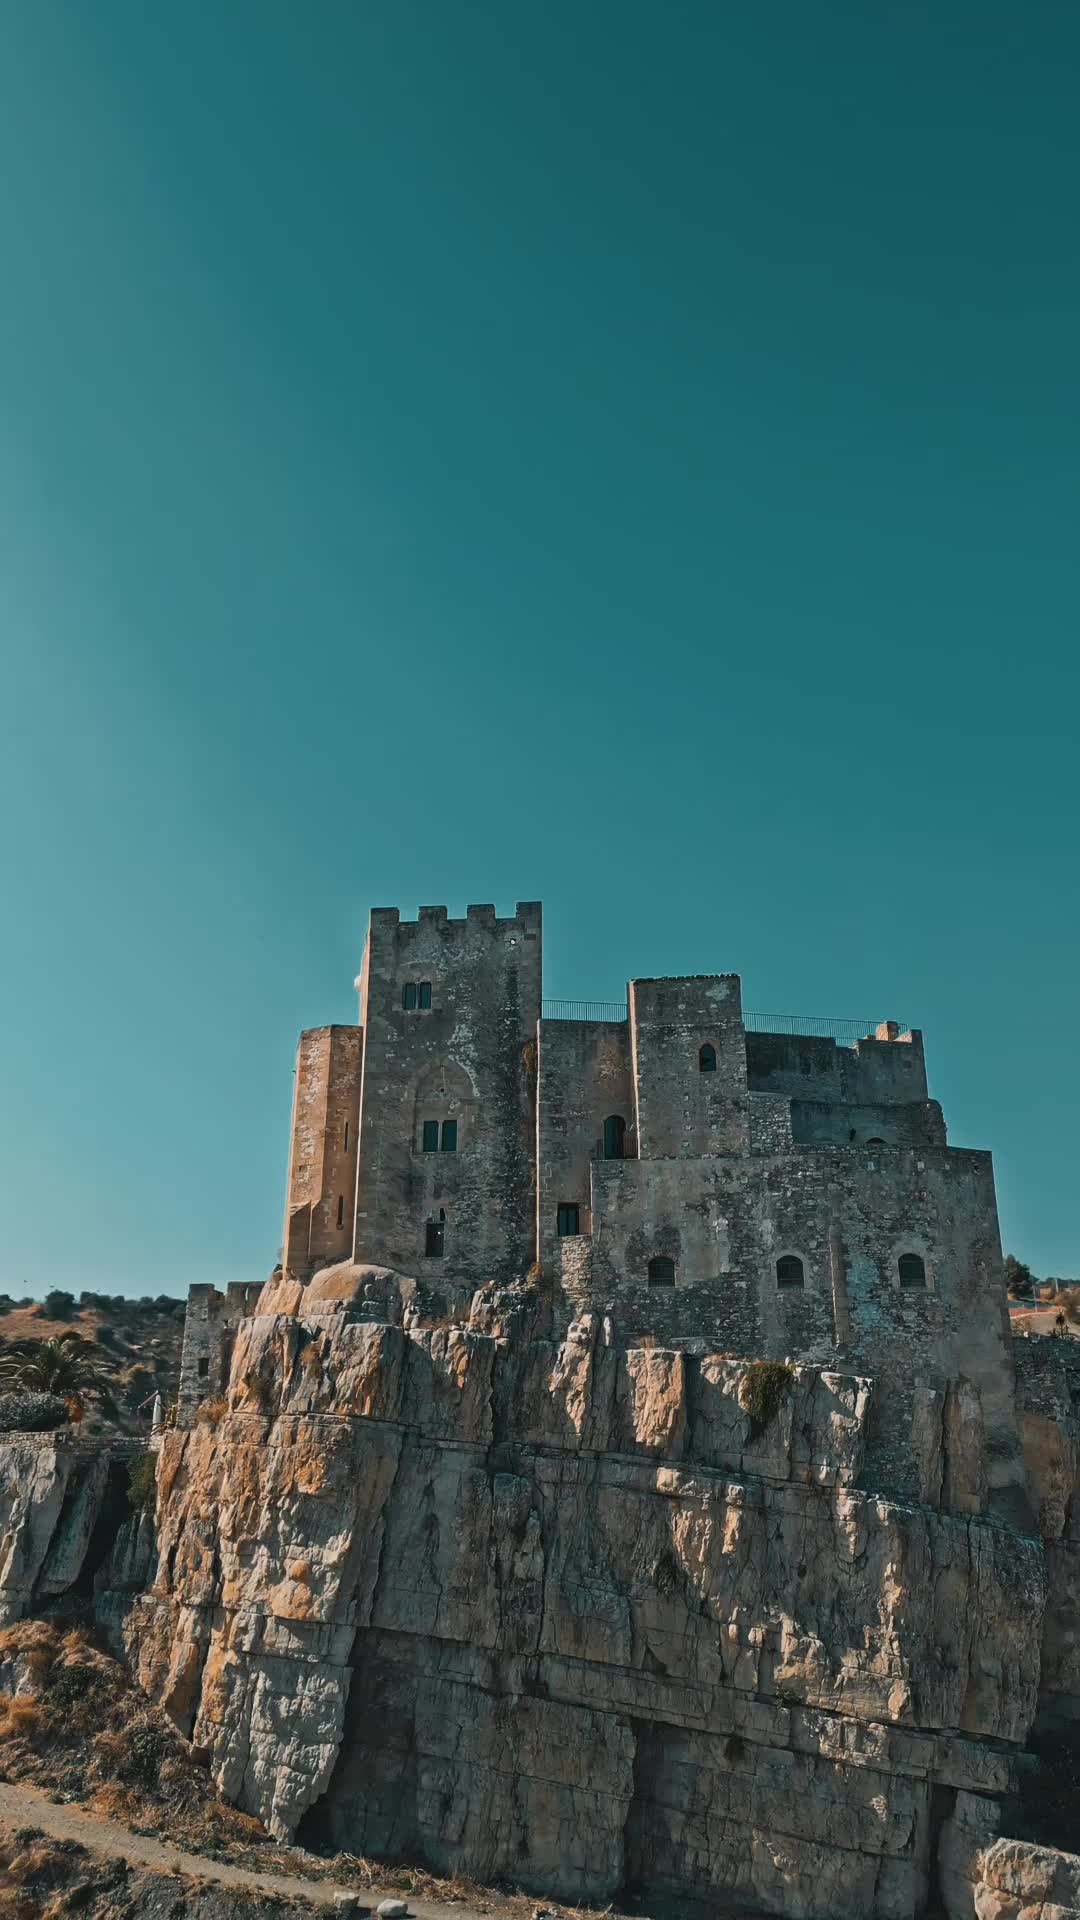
x=614 y=453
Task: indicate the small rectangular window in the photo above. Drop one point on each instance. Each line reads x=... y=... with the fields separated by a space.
x=408 y=996
x=423 y=998
x=449 y=1136
x=204 y=1367
x=431 y=1136
x=569 y=1217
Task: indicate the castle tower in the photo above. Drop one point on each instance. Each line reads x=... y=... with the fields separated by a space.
x=445 y=1183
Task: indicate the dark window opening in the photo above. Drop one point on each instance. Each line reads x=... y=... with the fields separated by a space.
x=435 y=1237
x=341 y=1209
x=449 y=1136
x=912 y=1270
x=431 y=1136
x=874 y=1141
x=204 y=1367
x=706 y=1059
x=569 y=1217
x=789 y=1271
x=661 y=1271
x=346 y=1136
x=408 y=996
x=614 y=1136
x=423 y=995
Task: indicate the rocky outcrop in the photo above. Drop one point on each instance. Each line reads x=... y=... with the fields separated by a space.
x=993 y=1878
x=51 y=1489
x=581 y=1618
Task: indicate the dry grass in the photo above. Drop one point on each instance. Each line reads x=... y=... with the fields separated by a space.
x=79 y=1729
x=77 y=1726
x=212 y=1412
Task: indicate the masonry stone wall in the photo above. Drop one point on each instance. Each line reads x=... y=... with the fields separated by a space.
x=584 y=1077
x=877 y=1070
x=680 y=1110
x=469 y=1057
x=210 y=1325
x=322 y=1157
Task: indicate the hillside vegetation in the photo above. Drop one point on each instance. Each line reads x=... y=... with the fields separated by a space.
x=130 y=1350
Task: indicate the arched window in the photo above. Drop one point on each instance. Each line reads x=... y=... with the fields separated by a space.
x=614 y=1136
x=875 y=1141
x=911 y=1268
x=443 y=1108
x=661 y=1271
x=789 y=1271
x=706 y=1059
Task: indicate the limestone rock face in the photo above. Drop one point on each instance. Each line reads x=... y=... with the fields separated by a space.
x=50 y=1495
x=580 y=1618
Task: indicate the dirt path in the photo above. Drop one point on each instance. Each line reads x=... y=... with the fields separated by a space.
x=26 y=1806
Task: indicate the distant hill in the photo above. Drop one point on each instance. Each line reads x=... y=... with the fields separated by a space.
x=137 y=1343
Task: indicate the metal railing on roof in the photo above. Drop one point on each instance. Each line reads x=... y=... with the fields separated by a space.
x=815 y=1027
x=811 y=1026
x=583 y=1009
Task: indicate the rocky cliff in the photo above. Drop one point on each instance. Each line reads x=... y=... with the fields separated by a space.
x=584 y=1618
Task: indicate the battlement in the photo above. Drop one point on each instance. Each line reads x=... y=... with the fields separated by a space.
x=527 y=916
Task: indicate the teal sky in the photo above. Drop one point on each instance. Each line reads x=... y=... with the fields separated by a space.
x=619 y=454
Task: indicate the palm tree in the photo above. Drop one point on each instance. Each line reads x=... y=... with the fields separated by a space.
x=66 y=1366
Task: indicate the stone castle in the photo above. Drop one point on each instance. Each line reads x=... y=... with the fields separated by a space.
x=628 y=1485
x=705 y=1177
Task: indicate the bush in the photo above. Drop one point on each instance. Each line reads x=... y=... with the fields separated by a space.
x=142 y=1482
x=1019 y=1278
x=101 y=1301
x=59 y=1305
x=212 y=1412
x=764 y=1386
x=106 y=1335
x=29 y=1412
x=1069 y=1301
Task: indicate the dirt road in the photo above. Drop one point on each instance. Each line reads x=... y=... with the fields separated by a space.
x=25 y=1806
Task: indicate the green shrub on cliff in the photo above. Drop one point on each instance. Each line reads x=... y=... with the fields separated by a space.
x=764 y=1386
x=30 y=1412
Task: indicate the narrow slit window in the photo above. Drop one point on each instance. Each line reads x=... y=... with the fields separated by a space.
x=569 y=1217
x=661 y=1271
x=706 y=1059
x=790 y=1271
x=614 y=1136
x=449 y=1136
x=423 y=995
x=912 y=1270
x=341 y=1209
x=346 y=1136
x=430 y=1140
x=408 y=996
